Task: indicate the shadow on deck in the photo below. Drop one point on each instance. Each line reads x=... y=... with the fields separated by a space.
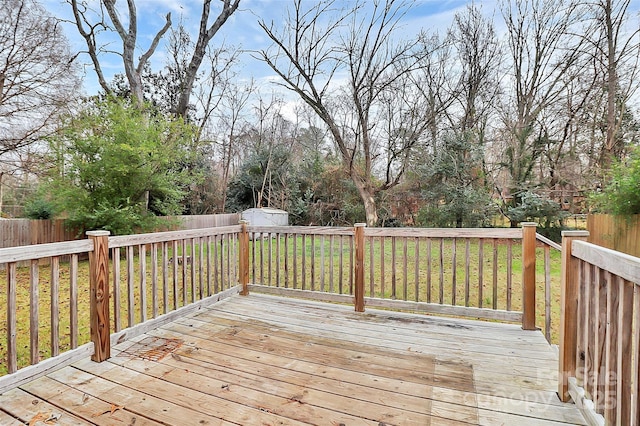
x=271 y=360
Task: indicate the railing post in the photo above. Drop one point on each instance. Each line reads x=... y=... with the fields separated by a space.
x=244 y=258
x=99 y=295
x=359 y=267
x=528 y=276
x=568 y=313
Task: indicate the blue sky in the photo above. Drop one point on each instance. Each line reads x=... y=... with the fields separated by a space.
x=241 y=30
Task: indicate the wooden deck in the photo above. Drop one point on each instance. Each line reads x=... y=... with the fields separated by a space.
x=261 y=360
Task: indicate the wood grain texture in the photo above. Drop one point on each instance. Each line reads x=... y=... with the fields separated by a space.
x=568 y=315
x=620 y=264
x=269 y=360
x=158 y=237
x=359 y=272
x=34 y=313
x=12 y=327
x=99 y=295
x=529 y=276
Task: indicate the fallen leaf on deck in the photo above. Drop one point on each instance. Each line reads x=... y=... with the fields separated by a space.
x=37 y=418
x=111 y=410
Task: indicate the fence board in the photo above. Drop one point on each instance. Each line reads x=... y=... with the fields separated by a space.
x=615 y=232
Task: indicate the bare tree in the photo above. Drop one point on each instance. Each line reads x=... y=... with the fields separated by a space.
x=38 y=79
x=128 y=35
x=541 y=49
x=205 y=34
x=322 y=44
x=617 y=48
x=231 y=125
x=91 y=23
x=479 y=55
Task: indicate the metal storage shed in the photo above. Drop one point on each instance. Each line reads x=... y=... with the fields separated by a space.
x=266 y=216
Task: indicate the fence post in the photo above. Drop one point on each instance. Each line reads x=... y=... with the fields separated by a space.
x=244 y=258
x=568 y=313
x=528 y=275
x=359 y=267
x=99 y=295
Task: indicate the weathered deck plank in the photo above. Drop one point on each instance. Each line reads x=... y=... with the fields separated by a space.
x=263 y=359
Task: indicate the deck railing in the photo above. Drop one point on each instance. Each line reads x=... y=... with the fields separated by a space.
x=134 y=283
x=462 y=272
x=600 y=331
x=131 y=283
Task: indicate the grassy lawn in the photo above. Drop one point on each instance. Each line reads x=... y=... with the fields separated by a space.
x=322 y=272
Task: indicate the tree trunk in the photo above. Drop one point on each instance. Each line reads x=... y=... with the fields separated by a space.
x=369 y=201
x=1 y=192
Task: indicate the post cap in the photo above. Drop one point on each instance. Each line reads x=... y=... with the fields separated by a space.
x=100 y=233
x=360 y=225
x=523 y=224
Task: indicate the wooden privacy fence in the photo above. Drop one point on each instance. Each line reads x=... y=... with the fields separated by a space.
x=600 y=331
x=134 y=283
x=620 y=233
x=24 y=232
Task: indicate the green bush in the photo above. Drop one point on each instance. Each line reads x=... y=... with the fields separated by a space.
x=39 y=208
x=621 y=195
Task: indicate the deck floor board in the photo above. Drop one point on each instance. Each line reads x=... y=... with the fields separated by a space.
x=272 y=360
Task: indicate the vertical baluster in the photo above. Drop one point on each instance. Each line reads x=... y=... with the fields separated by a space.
x=253 y=257
x=34 y=311
x=441 y=289
x=270 y=237
x=428 y=270
x=286 y=260
x=117 y=318
x=404 y=269
x=209 y=271
x=55 y=306
x=454 y=271
x=216 y=284
x=277 y=259
x=142 y=257
x=200 y=249
x=154 y=280
x=12 y=309
x=416 y=272
x=262 y=259
x=341 y=266
x=313 y=262
x=331 y=262
x=304 y=261
x=295 y=261
x=547 y=292
x=382 y=274
x=190 y=263
x=393 y=268
x=322 y=262
x=495 y=273
x=467 y=269
x=165 y=277
x=73 y=301
x=351 y=269
x=480 y=271
x=175 y=274
x=509 y=273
